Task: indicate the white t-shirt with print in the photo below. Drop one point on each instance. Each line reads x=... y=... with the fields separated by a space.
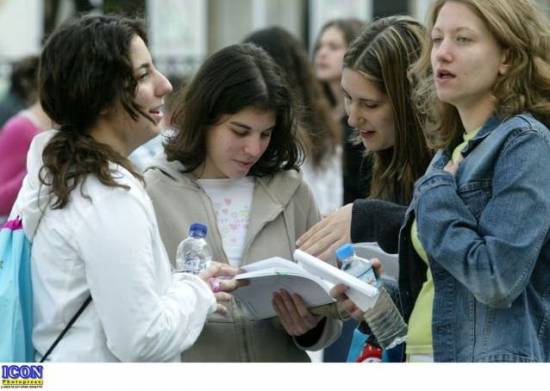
x=232 y=200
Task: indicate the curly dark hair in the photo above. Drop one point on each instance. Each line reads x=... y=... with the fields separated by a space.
x=233 y=79
x=85 y=67
x=321 y=133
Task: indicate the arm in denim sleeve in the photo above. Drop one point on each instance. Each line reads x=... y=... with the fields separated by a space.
x=377 y=221
x=495 y=256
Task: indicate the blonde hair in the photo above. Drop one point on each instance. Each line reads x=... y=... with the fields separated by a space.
x=521 y=29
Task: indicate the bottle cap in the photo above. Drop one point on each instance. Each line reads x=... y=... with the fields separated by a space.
x=197 y=229
x=345 y=251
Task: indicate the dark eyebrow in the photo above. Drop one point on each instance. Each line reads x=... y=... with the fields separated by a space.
x=244 y=126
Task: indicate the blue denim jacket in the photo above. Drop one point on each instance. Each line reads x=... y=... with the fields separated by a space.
x=486 y=231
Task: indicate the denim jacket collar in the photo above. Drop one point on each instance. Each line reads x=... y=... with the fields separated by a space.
x=492 y=123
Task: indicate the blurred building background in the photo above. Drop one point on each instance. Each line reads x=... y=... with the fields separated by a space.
x=183 y=32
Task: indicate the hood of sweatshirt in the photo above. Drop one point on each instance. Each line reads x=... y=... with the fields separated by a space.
x=33 y=197
x=280 y=188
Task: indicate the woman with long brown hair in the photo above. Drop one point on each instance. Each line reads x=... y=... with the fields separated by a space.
x=378 y=97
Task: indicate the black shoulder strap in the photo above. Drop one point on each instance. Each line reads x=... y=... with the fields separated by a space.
x=71 y=322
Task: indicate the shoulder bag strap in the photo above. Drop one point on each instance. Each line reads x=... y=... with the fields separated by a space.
x=60 y=337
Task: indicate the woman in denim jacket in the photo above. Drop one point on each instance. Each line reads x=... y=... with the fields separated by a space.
x=480 y=216
x=483 y=210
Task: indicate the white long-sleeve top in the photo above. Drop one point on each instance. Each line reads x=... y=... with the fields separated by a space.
x=109 y=246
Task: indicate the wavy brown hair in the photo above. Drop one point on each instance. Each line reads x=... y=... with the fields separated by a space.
x=85 y=68
x=523 y=31
x=383 y=53
x=233 y=79
x=320 y=131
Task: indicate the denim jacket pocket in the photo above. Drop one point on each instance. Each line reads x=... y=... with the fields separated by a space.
x=476 y=195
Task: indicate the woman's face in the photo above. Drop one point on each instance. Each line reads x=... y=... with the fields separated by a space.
x=369 y=111
x=151 y=89
x=330 y=55
x=236 y=143
x=466 y=58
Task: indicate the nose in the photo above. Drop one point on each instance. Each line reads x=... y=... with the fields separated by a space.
x=354 y=115
x=321 y=52
x=253 y=146
x=442 y=51
x=163 y=87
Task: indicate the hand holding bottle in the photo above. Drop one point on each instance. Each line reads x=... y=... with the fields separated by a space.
x=339 y=293
x=383 y=318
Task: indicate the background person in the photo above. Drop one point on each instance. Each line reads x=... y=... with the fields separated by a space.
x=333 y=40
x=322 y=169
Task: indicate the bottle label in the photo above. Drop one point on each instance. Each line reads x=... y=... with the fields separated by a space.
x=192 y=265
x=362 y=270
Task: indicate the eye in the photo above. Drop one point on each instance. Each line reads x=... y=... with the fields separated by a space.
x=369 y=105
x=462 y=39
x=266 y=134
x=240 y=132
x=143 y=76
x=437 y=40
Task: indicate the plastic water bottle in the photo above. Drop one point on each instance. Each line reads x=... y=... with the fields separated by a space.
x=356 y=266
x=383 y=318
x=193 y=254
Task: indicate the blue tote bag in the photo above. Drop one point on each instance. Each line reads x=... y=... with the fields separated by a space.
x=15 y=294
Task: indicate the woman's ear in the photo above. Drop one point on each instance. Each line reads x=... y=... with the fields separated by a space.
x=505 y=62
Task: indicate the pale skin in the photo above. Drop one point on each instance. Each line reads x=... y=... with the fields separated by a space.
x=326 y=236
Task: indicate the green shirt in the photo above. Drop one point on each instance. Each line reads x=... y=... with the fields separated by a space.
x=419 y=336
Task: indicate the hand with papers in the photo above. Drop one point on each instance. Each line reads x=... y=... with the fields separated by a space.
x=293 y=313
x=310 y=278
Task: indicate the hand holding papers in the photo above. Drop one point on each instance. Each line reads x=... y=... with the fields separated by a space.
x=311 y=278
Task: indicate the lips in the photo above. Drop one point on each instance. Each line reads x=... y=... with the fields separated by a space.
x=245 y=165
x=157 y=113
x=444 y=74
x=366 y=133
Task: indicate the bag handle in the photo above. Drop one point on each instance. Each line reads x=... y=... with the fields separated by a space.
x=71 y=322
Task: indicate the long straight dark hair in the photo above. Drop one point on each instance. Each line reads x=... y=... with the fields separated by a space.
x=383 y=53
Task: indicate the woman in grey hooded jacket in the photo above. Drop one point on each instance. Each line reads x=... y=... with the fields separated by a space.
x=232 y=164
